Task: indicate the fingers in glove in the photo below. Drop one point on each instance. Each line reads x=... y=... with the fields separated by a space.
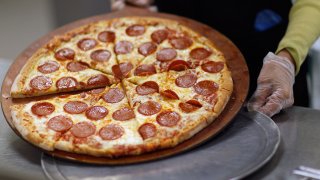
x=270 y=108
x=259 y=97
x=117 y=5
x=121 y=4
x=277 y=101
x=140 y=3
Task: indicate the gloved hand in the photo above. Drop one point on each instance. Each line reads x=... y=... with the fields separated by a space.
x=117 y=5
x=120 y=4
x=274 y=86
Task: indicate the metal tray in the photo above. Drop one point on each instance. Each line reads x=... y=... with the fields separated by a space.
x=243 y=147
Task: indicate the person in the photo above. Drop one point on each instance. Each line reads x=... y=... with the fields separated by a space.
x=258 y=27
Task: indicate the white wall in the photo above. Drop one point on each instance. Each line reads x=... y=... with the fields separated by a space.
x=24 y=21
x=21 y=23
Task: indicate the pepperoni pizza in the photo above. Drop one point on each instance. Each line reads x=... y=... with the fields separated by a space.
x=154 y=84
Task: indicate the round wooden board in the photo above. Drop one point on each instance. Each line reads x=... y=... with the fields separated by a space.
x=235 y=62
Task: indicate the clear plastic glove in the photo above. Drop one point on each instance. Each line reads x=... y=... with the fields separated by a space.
x=120 y=4
x=117 y=5
x=275 y=86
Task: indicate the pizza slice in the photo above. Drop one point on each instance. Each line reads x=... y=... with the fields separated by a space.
x=182 y=51
x=164 y=119
x=92 y=44
x=210 y=84
x=138 y=39
x=107 y=128
x=43 y=74
x=42 y=122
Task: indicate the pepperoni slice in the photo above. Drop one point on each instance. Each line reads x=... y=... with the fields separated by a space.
x=212 y=67
x=147 y=48
x=42 y=109
x=194 y=103
x=111 y=132
x=200 y=53
x=98 y=80
x=106 y=36
x=40 y=83
x=147 y=130
x=206 y=87
x=181 y=42
x=86 y=44
x=83 y=129
x=168 y=118
x=75 y=107
x=135 y=30
x=48 y=67
x=186 y=80
x=148 y=87
x=123 y=114
x=76 y=66
x=96 y=112
x=179 y=65
x=117 y=72
x=169 y=94
x=145 y=70
x=60 y=123
x=125 y=68
x=159 y=36
x=149 y=108
x=100 y=55
x=67 y=83
x=166 y=54
x=122 y=70
x=96 y=91
x=64 y=54
x=190 y=106
x=114 y=95
x=123 y=47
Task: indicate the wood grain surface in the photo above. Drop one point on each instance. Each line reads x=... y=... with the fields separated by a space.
x=235 y=62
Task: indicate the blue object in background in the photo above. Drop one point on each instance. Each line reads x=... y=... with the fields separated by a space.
x=266 y=19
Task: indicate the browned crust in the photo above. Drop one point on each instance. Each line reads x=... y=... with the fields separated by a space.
x=224 y=92
x=17 y=90
x=194 y=128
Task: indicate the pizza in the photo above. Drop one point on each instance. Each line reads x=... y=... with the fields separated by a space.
x=120 y=87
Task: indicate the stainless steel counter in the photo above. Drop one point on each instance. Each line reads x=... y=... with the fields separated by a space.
x=300 y=137
x=300 y=144
x=18 y=160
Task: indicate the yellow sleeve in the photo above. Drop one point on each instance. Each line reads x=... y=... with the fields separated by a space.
x=303 y=29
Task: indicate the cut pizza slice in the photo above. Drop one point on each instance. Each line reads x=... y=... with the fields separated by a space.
x=42 y=122
x=210 y=84
x=180 y=52
x=138 y=39
x=43 y=74
x=129 y=34
x=107 y=128
x=165 y=120
x=92 y=45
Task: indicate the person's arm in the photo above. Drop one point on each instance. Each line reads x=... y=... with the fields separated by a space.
x=275 y=82
x=302 y=31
